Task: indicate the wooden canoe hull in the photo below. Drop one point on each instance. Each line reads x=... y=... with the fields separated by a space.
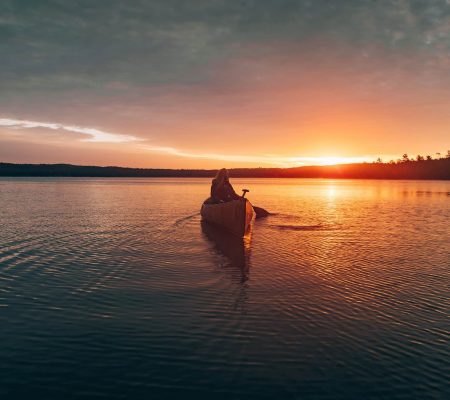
x=234 y=216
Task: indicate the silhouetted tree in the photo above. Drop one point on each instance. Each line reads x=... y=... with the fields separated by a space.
x=405 y=157
x=429 y=158
x=419 y=157
x=438 y=155
x=379 y=160
x=448 y=154
x=435 y=169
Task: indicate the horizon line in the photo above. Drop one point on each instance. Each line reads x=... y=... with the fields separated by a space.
x=391 y=162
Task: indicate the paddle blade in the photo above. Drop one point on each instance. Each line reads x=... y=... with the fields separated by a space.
x=260 y=212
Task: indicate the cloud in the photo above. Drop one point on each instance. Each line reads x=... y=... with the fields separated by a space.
x=98 y=136
x=94 y=135
x=267 y=159
x=171 y=42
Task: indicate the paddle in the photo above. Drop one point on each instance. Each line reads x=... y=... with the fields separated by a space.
x=260 y=212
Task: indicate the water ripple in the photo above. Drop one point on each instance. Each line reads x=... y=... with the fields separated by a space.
x=115 y=289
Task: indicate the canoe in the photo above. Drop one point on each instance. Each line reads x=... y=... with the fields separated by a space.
x=234 y=216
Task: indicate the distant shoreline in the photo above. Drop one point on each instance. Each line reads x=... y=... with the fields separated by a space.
x=423 y=169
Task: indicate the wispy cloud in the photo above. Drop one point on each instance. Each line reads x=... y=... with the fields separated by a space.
x=97 y=135
x=265 y=159
x=94 y=135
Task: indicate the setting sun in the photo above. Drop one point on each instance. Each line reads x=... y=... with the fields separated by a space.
x=330 y=160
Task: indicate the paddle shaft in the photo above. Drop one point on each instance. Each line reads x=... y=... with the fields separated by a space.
x=260 y=212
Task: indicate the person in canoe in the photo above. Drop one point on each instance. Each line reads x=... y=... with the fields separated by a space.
x=223 y=192
x=221 y=189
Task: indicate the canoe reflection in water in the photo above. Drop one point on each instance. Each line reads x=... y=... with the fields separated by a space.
x=235 y=249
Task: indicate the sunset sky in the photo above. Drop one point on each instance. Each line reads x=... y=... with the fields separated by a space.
x=205 y=84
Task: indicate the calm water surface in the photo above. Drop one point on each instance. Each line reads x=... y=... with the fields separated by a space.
x=112 y=288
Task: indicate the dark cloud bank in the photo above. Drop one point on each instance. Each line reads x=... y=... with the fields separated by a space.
x=108 y=45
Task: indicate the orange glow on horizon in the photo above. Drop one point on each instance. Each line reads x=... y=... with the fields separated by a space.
x=333 y=160
x=275 y=117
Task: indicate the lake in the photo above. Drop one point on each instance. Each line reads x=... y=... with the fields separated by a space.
x=113 y=288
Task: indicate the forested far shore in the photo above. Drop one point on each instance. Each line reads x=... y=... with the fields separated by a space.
x=404 y=169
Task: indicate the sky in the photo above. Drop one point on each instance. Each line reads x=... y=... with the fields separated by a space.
x=223 y=83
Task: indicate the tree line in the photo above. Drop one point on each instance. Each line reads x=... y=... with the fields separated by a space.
x=406 y=158
x=419 y=167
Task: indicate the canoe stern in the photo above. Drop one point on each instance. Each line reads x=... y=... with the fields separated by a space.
x=235 y=216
